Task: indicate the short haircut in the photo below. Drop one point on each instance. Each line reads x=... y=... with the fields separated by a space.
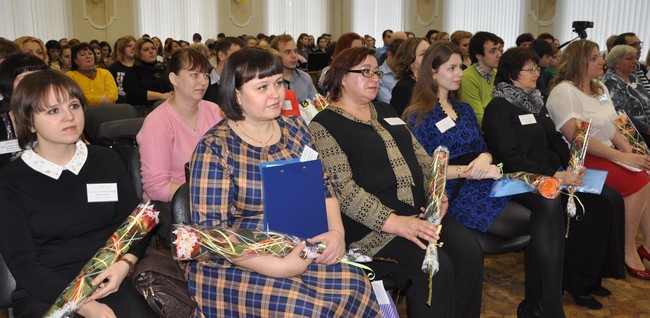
x=188 y=59
x=459 y=35
x=620 y=39
x=31 y=95
x=477 y=42
x=138 y=46
x=546 y=36
x=78 y=48
x=385 y=33
x=15 y=65
x=617 y=53
x=512 y=62
x=224 y=44
x=196 y=37
x=282 y=38
x=340 y=66
x=542 y=48
x=404 y=56
x=243 y=66
x=52 y=44
x=345 y=42
x=524 y=37
x=8 y=48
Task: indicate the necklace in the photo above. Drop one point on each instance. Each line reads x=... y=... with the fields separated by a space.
x=255 y=140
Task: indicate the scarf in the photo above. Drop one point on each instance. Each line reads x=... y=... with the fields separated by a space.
x=90 y=72
x=528 y=101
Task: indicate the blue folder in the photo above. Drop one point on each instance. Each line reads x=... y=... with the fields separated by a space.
x=294 y=197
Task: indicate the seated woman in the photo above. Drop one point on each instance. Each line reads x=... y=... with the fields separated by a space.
x=170 y=132
x=435 y=120
x=123 y=59
x=628 y=94
x=594 y=246
x=380 y=171
x=65 y=59
x=97 y=83
x=49 y=229
x=408 y=57
x=145 y=83
x=16 y=67
x=345 y=41
x=33 y=46
x=576 y=93
x=225 y=189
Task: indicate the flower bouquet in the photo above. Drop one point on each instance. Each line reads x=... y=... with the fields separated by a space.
x=522 y=182
x=626 y=128
x=320 y=102
x=577 y=153
x=143 y=219
x=436 y=189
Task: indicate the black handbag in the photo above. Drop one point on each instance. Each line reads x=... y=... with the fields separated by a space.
x=160 y=280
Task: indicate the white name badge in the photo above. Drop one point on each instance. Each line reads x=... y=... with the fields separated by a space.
x=394 y=121
x=102 y=192
x=286 y=105
x=527 y=119
x=445 y=124
x=9 y=146
x=602 y=98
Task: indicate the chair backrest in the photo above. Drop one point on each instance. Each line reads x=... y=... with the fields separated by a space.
x=493 y=244
x=96 y=115
x=181 y=205
x=135 y=172
x=120 y=136
x=7 y=285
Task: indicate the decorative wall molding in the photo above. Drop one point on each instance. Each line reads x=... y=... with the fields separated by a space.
x=241 y=12
x=426 y=6
x=548 y=7
x=99 y=13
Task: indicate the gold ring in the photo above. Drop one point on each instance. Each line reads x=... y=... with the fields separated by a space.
x=417 y=234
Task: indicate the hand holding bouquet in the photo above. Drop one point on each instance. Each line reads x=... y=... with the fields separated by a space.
x=143 y=219
x=626 y=128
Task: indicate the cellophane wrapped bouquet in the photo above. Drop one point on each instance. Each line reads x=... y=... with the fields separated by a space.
x=548 y=187
x=435 y=192
x=140 y=222
x=577 y=154
x=626 y=128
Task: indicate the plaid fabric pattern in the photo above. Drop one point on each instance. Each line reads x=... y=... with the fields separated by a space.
x=225 y=189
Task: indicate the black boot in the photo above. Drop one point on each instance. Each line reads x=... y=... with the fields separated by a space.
x=524 y=312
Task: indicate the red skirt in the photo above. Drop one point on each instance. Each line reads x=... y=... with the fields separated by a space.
x=625 y=181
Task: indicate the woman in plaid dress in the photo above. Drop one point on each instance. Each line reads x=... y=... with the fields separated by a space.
x=225 y=188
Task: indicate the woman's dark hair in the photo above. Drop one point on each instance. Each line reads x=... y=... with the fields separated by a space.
x=169 y=46
x=31 y=95
x=512 y=62
x=8 y=48
x=299 y=45
x=15 y=65
x=241 y=67
x=344 y=61
x=345 y=42
x=405 y=56
x=425 y=92
x=429 y=33
x=188 y=59
x=104 y=44
x=78 y=48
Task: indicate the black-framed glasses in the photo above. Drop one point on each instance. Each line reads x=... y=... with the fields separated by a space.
x=636 y=44
x=368 y=73
x=531 y=70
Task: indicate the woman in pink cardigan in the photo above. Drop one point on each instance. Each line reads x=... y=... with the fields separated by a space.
x=170 y=132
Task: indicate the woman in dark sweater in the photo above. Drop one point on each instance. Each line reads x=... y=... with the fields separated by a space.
x=520 y=134
x=408 y=57
x=54 y=215
x=146 y=83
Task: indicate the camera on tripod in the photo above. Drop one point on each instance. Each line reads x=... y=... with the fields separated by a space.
x=581 y=27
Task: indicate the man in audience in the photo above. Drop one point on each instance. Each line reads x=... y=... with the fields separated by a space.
x=399 y=35
x=196 y=38
x=632 y=40
x=478 y=79
x=294 y=79
x=387 y=82
x=545 y=52
x=386 y=37
x=524 y=39
x=224 y=48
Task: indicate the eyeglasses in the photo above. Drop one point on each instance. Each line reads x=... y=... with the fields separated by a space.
x=368 y=73
x=531 y=70
x=636 y=44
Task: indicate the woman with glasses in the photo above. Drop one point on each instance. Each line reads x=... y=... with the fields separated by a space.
x=381 y=171
x=624 y=86
x=576 y=93
x=520 y=134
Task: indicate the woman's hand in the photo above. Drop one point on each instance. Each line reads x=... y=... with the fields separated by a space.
x=109 y=280
x=481 y=167
x=569 y=178
x=292 y=264
x=412 y=229
x=92 y=309
x=636 y=160
x=335 y=247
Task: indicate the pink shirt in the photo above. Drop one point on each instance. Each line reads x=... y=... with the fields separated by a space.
x=167 y=143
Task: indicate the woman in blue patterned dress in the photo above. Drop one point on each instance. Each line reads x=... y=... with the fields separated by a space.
x=436 y=119
x=225 y=188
